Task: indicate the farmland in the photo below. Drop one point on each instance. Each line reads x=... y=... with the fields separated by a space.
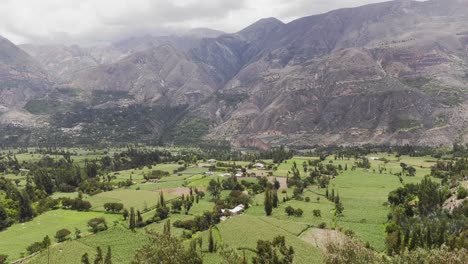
x=363 y=193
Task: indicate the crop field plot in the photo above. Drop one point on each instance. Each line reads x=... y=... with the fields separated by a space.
x=242 y=232
x=129 y=198
x=16 y=238
x=71 y=252
x=363 y=193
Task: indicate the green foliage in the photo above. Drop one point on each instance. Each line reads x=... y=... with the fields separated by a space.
x=164 y=248
x=273 y=252
x=461 y=193
x=97 y=224
x=113 y=207
x=3 y=259
x=62 y=235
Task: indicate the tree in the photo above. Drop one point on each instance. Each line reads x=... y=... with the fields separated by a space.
x=317 y=213
x=62 y=235
x=275 y=200
x=339 y=209
x=167 y=228
x=113 y=207
x=46 y=244
x=164 y=249
x=98 y=259
x=108 y=259
x=3 y=259
x=298 y=212
x=268 y=203
x=214 y=188
x=77 y=233
x=26 y=212
x=5 y=220
x=140 y=222
x=97 y=224
x=273 y=252
x=289 y=210
x=85 y=259
x=132 y=220
x=211 y=246
x=411 y=171
x=162 y=202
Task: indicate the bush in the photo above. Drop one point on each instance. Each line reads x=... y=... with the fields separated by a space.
x=289 y=210
x=317 y=213
x=35 y=247
x=3 y=259
x=97 y=224
x=298 y=212
x=322 y=225
x=113 y=207
x=461 y=193
x=62 y=235
x=307 y=199
x=75 y=204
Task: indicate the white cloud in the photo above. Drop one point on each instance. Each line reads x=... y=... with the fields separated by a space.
x=103 y=20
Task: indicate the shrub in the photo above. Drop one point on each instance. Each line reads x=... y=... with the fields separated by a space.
x=317 y=213
x=289 y=210
x=3 y=259
x=461 y=193
x=97 y=224
x=307 y=199
x=322 y=225
x=35 y=247
x=62 y=235
x=113 y=207
x=298 y=212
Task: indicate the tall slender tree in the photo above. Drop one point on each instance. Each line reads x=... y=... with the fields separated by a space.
x=268 y=203
x=108 y=259
x=132 y=223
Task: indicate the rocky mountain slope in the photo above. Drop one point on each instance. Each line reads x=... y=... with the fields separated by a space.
x=387 y=73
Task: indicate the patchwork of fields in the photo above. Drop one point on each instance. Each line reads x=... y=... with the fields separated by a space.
x=363 y=193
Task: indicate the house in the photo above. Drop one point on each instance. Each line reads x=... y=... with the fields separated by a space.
x=239 y=174
x=260 y=166
x=210 y=173
x=211 y=161
x=236 y=210
x=374 y=158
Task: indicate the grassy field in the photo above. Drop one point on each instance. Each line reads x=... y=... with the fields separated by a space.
x=129 y=198
x=362 y=192
x=244 y=231
x=14 y=240
x=70 y=252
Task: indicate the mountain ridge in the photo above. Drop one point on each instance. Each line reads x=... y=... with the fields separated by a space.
x=388 y=73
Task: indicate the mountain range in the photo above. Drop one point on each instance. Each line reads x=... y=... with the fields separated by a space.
x=387 y=73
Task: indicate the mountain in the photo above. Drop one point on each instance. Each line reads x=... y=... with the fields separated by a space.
x=64 y=61
x=21 y=80
x=386 y=73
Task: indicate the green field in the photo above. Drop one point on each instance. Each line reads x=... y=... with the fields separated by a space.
x=363 y=193
x=15 y=239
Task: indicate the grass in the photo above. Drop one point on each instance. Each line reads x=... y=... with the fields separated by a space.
x=15 y=239
x=130 y=198
x=244 y=231
x=123 y=250
x=362 y=192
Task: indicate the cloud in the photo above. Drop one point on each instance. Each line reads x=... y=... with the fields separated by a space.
x=92 y=21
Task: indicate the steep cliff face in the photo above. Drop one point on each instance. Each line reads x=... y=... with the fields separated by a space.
x=393 y=72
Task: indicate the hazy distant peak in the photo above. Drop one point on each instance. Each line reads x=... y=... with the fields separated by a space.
x=261 y=28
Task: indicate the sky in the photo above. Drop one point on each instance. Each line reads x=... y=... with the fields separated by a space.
x=100 y=21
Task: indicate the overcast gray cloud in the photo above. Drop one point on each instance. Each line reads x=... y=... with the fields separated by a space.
x=91 y=21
